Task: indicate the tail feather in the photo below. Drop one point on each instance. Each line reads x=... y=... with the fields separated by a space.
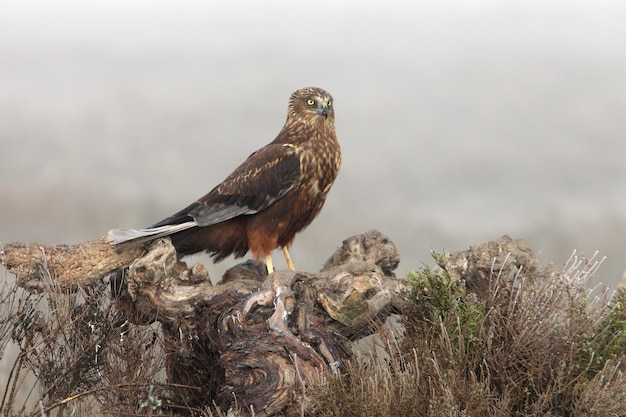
x=128 y=238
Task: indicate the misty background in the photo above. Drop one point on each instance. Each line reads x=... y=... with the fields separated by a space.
x=460 y=121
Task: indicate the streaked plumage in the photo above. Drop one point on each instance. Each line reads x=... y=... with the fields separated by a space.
x=269 y=198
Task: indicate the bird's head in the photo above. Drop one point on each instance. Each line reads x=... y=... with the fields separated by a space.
x=311 y=105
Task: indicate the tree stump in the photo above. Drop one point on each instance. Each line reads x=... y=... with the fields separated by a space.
x=250 y=342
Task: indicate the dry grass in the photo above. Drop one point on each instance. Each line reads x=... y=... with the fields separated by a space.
x=86 y=358
x=534 y=345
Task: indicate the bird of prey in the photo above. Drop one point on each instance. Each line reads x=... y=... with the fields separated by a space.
x=270 y=197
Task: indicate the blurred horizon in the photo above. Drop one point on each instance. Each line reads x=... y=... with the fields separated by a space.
x=459 y=121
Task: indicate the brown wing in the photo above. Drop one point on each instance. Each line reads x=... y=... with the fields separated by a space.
x=256 y=184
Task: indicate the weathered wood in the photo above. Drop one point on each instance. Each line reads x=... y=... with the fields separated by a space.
x=371 y=246
x=258 y=335
x=505 y=258
x=251 y=339
x=36 y=266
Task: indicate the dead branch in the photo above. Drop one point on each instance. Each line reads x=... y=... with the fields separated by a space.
x=67 y=266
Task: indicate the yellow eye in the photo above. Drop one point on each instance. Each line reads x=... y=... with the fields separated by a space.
x=310 y=102
x=330 y=103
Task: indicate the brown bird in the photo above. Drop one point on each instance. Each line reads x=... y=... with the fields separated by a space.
x=269 y=198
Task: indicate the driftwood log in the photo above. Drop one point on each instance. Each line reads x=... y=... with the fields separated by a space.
x=251 y=340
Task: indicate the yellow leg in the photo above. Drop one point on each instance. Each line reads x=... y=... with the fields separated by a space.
x=288 y=259
x=268 y=263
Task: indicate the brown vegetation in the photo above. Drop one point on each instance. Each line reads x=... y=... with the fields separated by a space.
x=491 y=333
x=486 y=332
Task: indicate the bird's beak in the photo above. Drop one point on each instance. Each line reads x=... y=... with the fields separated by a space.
x=325 y=110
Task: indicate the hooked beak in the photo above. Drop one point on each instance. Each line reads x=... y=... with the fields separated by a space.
x=324 y=110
